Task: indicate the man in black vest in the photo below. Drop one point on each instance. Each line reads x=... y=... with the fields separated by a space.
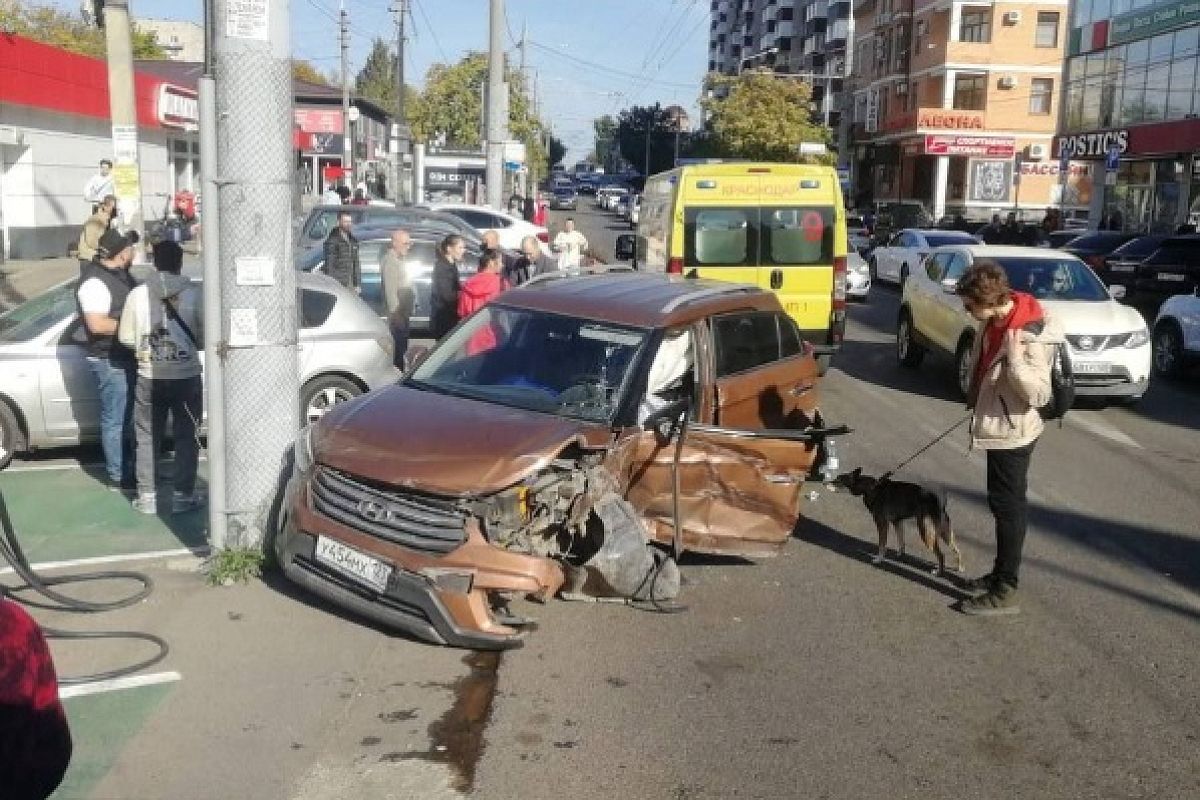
x=103 y=288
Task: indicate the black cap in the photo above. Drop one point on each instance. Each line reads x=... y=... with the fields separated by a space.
x=111 y=243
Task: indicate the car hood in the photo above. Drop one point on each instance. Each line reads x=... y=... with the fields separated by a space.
x=1100 y=317
x=441 y=444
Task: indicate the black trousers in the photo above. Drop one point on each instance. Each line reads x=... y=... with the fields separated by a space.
x=1007 y=482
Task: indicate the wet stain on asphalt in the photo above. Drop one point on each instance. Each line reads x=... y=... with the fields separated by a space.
x=782 y=741
x=456 y=739
x=718 y=669
x=568 y=745
x=616 y=683
x=527 y=738
x=399 y=716
x=370 y=741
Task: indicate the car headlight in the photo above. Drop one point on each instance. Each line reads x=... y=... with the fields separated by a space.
x=303 y=451
x=1138 y=338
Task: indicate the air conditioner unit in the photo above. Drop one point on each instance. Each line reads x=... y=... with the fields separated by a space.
x=1012 y=17
x=902 y=87
x=1037 y=152
x=1008 y=82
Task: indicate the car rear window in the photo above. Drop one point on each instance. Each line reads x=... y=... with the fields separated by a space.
x=939 y=239
x=1098 y=241
x=720 y=237
x=1186 y=253
x=33 y=318
x=1139 y=247
x=315 y=307
x=797 y=235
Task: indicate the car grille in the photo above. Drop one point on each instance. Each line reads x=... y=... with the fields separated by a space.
x=1085 y=343
x=418 y=522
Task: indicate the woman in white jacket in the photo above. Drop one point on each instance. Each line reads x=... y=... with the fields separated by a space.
x=162 y=324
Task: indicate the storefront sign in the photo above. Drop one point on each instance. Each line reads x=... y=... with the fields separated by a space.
x=950 y=119
x=1094 y=145
x=326 y=144
x=1149 y=21
x=178 y=107
x=451 y=178
x=1053 y=168
x=990 y=181
x=319 y=120
x=937 y=144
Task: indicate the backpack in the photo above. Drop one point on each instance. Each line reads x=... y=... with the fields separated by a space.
x=1062 y=385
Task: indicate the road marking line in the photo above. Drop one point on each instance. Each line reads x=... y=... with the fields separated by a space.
x=152 y=555
x=117 y=684
x=1090 y=421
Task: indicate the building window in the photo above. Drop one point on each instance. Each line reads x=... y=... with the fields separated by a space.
x=1047 y=29
x=1041 y=92
x=970 y=92
x=976 y=25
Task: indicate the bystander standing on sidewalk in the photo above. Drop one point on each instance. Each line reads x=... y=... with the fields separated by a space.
x=533 y=262
x=100 y=185
x=103 y=290
x=570 y=245
x=341 y=254
x=162 y=324
x=443 y=300
x=398 y=293
x=95 y=227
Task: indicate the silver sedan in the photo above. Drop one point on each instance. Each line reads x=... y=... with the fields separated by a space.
x=48 y=397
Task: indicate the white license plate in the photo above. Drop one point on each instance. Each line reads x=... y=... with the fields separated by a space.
x=349 y=561
x=1171 y=276
x=1092 y=367
x=1122 y=267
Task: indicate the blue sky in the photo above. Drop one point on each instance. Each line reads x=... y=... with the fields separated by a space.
x=584 y=51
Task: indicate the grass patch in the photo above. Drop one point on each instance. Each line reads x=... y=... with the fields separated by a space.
x=234 y=565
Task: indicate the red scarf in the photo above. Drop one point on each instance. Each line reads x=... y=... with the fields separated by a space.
x=1025 y=309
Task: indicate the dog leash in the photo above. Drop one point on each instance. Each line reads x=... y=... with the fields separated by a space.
x=909 y=460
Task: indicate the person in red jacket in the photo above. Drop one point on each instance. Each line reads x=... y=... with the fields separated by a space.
x=35 y=742
x=478 y=291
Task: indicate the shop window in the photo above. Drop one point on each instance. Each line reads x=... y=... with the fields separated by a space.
x=1132 y=106
x=1110 y=104
x=1182 y=93
x=1187 y=42
x=1160 y=48
x=1041 y=92
x=976 y=25
x=970 y=92
x=1047 y=29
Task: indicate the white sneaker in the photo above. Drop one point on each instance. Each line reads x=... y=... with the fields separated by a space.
x=145 y=504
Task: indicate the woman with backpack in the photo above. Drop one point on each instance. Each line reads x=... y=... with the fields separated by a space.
x=1010 y=385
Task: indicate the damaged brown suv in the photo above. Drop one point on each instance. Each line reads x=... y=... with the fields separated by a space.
x=571 y=438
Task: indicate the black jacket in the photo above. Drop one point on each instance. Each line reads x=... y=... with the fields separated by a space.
x=443 y=298
x=119 y=284
x=341 y=259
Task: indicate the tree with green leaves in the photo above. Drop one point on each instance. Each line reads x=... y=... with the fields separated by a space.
x=642 y=127
x=606 y=140
x=59 y=28
x=558 y=150
x=763 y=116
x=305 y=71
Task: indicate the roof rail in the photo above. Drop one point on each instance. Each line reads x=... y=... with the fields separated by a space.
x=712 y=291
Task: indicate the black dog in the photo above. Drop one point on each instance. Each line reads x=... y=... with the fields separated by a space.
x=891 y=502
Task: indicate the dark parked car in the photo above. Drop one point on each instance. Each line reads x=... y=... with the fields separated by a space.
x=322 y=219
x=564 y=199
x=1120 y=266
x=542 y=447
x=373 y=242
x=1056 y=240
x=1094 y=246
x=1174 y=268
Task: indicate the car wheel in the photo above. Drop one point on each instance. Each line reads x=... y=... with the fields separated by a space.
x=323 y=393
x=1168 y=351
x=10 y=432
x=903 y=275
x=907 y=351
x=963 y=367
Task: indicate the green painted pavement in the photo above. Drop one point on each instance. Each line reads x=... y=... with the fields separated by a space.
x=101 y=725
x=68 y=514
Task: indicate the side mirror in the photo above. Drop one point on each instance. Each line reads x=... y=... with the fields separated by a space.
x=665 y=420
x=415 y=356
x=1117 y=291
x=626 y=247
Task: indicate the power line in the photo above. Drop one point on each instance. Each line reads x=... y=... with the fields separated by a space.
x=432 y=31
x=612 y=71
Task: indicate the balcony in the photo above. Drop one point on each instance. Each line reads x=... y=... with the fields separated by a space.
x=839 y=30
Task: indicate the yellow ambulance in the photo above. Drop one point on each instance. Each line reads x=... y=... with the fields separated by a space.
x=777 y=226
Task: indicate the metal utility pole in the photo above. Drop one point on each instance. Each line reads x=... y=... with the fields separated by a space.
x=122 y=100
x=255 y=343
x=524 y=37
x=402 y=136
x=497 y=122
x=347 y=139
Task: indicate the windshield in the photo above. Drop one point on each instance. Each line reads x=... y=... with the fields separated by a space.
x=1053 y=278
x=33 y=318
x=536 y=361
x=1140 y=247
x=939 y=239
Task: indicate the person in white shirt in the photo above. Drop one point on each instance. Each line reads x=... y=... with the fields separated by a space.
x=100 y=185
x=570 y=245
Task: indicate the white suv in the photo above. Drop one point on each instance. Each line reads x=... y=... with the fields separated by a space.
x=1109 y=342
x=1177 y=334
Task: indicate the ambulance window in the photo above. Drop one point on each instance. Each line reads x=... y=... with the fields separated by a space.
x=720 y=237
x=797 y=235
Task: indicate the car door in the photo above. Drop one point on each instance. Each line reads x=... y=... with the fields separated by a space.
x=70 y=396
x=918 y=293
x=748 y=446
x=949 y=317
x=721 y=243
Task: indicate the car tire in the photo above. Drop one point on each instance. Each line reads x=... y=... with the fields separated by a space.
x=10 y=434
x=324 y=392
x=963 y=366
x=908 y=352
x=1167 y=350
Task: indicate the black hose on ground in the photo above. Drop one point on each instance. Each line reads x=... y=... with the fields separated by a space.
x=10 y=550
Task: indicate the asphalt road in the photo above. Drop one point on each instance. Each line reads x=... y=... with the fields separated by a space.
x=600 y=228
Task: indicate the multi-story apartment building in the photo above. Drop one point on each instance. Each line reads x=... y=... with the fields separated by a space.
x=955 y=105
x=1133 y=104
x=802 y=38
